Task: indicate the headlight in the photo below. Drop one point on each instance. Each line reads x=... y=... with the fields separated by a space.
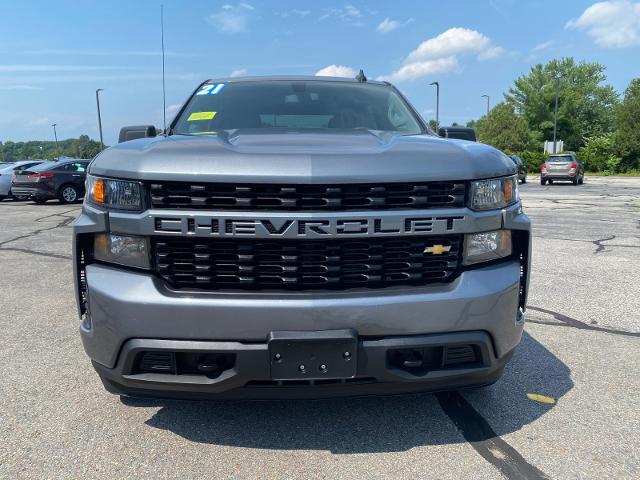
x=127 y=250
x=486 y=246
x=494 y=193
x=120 y=194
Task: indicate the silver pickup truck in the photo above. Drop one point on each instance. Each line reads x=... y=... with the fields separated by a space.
x=299 y=237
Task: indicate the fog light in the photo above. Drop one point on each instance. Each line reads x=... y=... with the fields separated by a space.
x=127 y=250
x=487 y=246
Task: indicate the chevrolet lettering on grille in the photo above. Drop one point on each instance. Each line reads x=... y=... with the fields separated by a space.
x=204 y=226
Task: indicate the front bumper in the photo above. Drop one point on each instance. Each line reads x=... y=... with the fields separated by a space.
x=250 y=376
x=127 y=309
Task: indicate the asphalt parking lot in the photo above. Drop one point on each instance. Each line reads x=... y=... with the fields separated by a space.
x=581 y=348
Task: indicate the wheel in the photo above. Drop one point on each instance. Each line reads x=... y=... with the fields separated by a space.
x=68 y=194
x=581 y=181
x=543 y=181
x=40 y=201
x=524 y=179
x=550 y=182
x=575 y=181
x=2 y=197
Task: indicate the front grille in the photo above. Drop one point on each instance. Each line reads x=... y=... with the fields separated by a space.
x=294 y=198
x=211 y=264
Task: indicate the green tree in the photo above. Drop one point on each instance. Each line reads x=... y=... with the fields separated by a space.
x=585 y=105
x=600 y=153
x=627 y=130
x=503 y=128
x=82 y=147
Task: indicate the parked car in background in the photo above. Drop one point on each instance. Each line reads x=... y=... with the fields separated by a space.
x=7 y=171
x=461 y=133
x=63 y=180
x=522 y=168
x=562 y=166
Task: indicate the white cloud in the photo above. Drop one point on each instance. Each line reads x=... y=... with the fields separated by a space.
x=612 y=24
x=347 y=14
x=423 y=68
x=491 y=53
x=543 y=46
x=20 y=87
x=440 y=54
x=451 y=42
x=336 y=71
x=387 y=25
x=239 y=72
x=231 y=18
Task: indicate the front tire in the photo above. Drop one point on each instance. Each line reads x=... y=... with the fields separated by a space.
x=543 y=182
x=68 y=194
x=524 y=180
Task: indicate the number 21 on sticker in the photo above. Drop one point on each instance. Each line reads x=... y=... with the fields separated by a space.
x=212 y=89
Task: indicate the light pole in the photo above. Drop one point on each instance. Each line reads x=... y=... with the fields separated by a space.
x=488 y=99
x=55 y=135
x=99 y=118
x=555 y=113
x=437 y=84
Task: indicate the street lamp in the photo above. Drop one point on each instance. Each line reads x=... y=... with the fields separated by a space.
x=99 y=118
x=55 y=134
x=488 y=99
x=555 y=111
x=437 y=84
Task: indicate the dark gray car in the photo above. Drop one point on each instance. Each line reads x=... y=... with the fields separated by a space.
x=562 y=167
x=299 y=236
x=63 y=180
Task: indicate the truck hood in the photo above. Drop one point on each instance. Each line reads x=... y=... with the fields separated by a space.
x=268 y=156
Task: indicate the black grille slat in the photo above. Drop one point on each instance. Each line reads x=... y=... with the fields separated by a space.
x=213 y=264
x=259 y=197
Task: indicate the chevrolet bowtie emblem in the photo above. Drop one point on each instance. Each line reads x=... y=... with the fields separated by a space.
x=437 y=249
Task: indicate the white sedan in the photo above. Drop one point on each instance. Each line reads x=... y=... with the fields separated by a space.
x=6 y=173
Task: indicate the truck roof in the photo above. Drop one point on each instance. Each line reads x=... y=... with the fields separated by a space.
x=291 y=78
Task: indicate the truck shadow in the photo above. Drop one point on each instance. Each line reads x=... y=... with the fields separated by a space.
x=368 y=424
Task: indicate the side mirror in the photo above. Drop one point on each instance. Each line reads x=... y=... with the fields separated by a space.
x=460 y=133
x=136 y=131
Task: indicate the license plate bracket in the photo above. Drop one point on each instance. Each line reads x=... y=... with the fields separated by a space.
x=329 y=354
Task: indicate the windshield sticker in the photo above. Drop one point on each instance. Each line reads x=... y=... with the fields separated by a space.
x=201 y=116
x=212 y=89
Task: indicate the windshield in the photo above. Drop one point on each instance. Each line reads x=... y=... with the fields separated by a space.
x=43 y=166
x=296 y=105
x=560 y=158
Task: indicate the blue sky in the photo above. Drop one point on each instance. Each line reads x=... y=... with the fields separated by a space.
x=53 y=55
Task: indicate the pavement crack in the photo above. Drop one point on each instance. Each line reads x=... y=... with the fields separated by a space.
x=485 y=441
x=598 y=243
x=572 y=322
x=58 y=214
x=63 y=223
